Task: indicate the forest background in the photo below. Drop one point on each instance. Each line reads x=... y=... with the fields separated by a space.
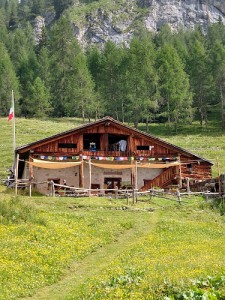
x=161 y=77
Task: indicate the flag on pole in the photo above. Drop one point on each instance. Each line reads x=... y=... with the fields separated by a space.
x=11 y=112
x=12 y=117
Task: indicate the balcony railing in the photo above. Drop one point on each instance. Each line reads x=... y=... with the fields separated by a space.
x=115 y=153
x=99 y=153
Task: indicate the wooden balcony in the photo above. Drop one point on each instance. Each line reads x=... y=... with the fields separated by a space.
x=117 y=153
x=100 y=153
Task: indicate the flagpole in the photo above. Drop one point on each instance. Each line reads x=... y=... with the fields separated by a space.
x=14 y=124
x=16 y=156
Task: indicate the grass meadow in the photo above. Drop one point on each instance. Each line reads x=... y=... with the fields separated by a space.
x=102 y=248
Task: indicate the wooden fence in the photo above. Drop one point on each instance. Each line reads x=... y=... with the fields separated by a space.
x=134 y=195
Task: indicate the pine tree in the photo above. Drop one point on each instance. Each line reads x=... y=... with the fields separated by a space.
x=174 y=87
x=8 y=81
x=94 y=61
x=37 y=102
x=12 y=14
x=217 y=56
x=201 y=79
x=71 y=83
x=60 y=6
x=83 y=101
x=216 y=32
x=164 y=36
x=110 y=85
x=3 y=28
x=142 y=79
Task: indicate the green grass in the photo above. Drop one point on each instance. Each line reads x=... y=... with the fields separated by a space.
x=100 y=248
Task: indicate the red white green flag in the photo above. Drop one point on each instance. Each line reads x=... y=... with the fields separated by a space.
x=11 y=113
x=12 y=117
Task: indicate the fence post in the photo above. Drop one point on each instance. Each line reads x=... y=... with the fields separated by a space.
x=136 y=195
x=206 y=197
x=133 y=197
x=151 y=194
x=127 y=195
x=53 y=189
x=179 y=197
x=116 y=192
x=16 y=165
x=89 y=164
x=30 y=189
x=188 y=184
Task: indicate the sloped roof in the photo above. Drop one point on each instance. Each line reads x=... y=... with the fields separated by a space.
x=109 y=119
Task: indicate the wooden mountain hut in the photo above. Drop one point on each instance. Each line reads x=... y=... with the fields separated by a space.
x=107 y=154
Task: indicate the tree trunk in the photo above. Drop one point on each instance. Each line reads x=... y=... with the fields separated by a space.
x=222 y=105
x=206 y=118
x=168 y=112
x=83 y=115
x=147 y=123
x=176 y=125
x=122 y=111
x=136 y=121
x=201 y=112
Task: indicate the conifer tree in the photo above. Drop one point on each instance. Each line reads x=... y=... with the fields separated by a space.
x=3 y=28
x=110 y=85
x=37 y=102
x=94 y=61
x=8 y=81
x=201 y=79
x=216 y=32
x=71 y=82
x=217 y=56
x=174 y=87
x=142 y=79
x=60 y=6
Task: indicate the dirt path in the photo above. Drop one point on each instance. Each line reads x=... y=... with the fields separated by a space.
x=92 y=264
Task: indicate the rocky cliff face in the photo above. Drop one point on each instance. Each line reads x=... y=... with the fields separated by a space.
x=117 y=20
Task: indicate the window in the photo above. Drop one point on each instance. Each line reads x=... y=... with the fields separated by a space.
x=91 y=141
x=117 y=142
x=67 y=145
x=189 y=168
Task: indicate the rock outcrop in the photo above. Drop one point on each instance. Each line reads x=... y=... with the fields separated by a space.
x=118 y=20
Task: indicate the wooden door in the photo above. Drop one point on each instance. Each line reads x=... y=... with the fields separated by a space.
x=112 y=183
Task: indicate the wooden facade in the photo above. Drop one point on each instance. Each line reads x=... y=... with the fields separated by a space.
x=115 y=153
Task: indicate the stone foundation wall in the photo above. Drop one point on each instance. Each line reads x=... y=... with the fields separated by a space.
x=71 y=175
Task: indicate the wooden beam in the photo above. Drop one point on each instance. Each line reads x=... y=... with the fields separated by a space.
x=104 y=142
x=132 y=177
x=180 y=173
x=31 y=168
x=81 y=174
x=16 y=174
x=89 y=164
x=136 y=175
